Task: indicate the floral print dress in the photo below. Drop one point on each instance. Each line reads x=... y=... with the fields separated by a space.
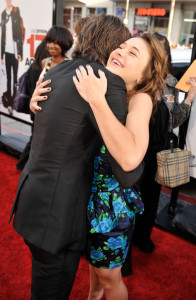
x=110 y=216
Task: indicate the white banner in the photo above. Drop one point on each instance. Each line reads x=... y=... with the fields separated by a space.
x=37 y=19
x=191 y=138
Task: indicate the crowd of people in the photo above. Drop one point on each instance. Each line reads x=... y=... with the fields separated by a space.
x=100 y=108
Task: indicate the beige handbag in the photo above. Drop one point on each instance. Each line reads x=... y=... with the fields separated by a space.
x=173 y=167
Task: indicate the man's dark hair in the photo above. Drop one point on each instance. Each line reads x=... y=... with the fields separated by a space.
x=80 y=24
x=61 y=36
x=100 y=36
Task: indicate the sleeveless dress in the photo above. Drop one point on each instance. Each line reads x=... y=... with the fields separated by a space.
x=110 y=216
x=47 y=67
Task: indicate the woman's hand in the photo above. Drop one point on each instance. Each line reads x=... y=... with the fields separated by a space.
x=90 y=88
x=40 y=89
x=192 y=91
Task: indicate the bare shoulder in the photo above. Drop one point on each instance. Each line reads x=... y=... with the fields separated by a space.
x=44 y=61
x=141 y=97
x=139 y=100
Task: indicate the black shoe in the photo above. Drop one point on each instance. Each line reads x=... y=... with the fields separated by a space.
x=147 y=246
x=126 y=270
x=171 y=211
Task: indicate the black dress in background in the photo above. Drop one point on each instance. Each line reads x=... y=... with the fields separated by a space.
x=150 y=190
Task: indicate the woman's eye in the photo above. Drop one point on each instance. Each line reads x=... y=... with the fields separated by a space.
x=132 y=53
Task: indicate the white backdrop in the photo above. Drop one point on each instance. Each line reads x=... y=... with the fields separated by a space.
x=37 y=19
x=191 y=137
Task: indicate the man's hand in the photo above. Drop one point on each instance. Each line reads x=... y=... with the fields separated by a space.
x=19 y=57
x=39 y=90
x=2 y=62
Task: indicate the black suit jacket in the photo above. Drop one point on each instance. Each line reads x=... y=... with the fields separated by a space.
x=16 y=30
x=54 y=187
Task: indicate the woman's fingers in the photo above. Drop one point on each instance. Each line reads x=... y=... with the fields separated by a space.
x=76 y=82
x=79 y=75
x=39 y=82
x=35 y=100
x=191 y=81
x=83 y=72
x=102 y=75
x=90 y=70
x=34 y=107
x=43 y=91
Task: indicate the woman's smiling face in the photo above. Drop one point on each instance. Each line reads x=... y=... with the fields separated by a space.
x=130 y=60
x=54 y=49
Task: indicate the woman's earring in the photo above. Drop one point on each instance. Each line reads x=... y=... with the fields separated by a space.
x=139 y=81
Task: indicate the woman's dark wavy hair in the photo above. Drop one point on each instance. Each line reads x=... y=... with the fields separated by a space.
x=165 y=43
x=154 y=76
x=60 y=36
x=40 y=53
x=100 y=36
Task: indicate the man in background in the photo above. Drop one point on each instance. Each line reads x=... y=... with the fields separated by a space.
x=11 y=50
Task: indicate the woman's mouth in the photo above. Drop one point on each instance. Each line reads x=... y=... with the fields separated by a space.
x=116 y=62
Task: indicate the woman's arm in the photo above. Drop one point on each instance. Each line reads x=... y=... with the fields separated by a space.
x=126 y=144
x=181 y=111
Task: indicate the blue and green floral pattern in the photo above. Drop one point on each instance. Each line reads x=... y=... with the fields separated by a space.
x=110 y=216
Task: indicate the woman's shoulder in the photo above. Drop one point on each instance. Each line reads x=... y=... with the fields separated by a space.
x=140 y=101
x=45 y=61
x=141 y=98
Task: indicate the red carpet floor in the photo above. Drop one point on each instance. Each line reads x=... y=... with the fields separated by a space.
x=169 y=273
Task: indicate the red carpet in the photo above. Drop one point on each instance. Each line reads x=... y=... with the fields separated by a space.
x=167 y=274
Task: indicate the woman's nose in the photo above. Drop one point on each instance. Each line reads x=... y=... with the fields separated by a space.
x=120 y=52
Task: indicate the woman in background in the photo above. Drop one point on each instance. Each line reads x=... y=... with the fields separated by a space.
x=51 y=51
x=58 y=42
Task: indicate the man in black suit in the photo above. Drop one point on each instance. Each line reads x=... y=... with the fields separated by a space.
x=11 y=49
x=54 y=187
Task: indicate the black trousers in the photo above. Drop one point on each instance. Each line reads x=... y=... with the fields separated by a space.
x=11 y=63
x=52 y=275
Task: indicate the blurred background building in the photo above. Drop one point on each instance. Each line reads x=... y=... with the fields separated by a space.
x=151 y=16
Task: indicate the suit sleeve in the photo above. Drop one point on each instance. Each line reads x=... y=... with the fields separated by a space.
x=116 y=98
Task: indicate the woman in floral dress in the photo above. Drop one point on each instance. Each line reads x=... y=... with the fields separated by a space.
x=111 y=210
x=110 y=216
